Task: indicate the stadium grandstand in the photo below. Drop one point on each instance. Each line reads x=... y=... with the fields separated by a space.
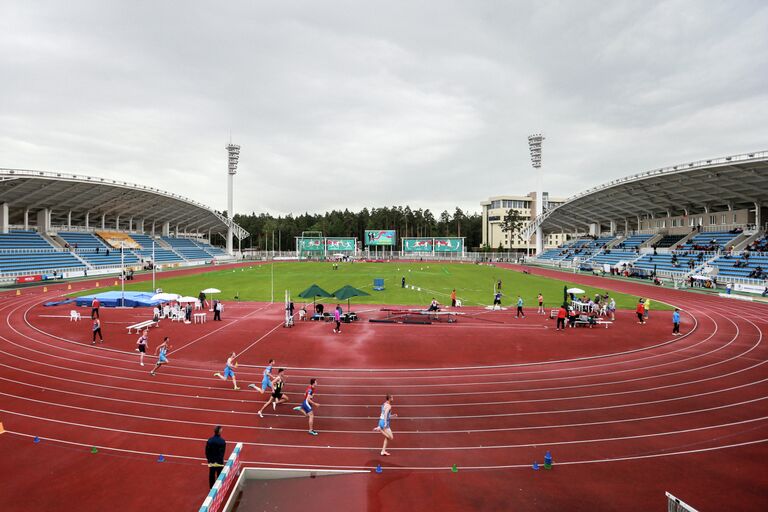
x=703 y=220
x=55 y=224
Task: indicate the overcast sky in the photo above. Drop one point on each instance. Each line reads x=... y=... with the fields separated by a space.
x=361 y=103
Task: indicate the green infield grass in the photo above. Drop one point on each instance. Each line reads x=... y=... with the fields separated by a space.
x=474 y=284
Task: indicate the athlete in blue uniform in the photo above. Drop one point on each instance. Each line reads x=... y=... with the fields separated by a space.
x=229 y=371
x=307 y=404
x=266 y=381
x=383 y=426
x=162 y=355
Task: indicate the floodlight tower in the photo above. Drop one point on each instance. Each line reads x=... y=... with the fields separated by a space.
x=534 y=143
x=234 y=156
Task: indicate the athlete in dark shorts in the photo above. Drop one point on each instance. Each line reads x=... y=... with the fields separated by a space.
x=277 y=396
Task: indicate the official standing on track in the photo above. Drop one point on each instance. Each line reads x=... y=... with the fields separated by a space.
x=676 y=322
x=95 y=304
x=215 y=449
x=519 y=307
x=97 y=330
x=337 y=319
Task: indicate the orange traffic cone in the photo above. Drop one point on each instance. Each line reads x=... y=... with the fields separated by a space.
x=18 y=292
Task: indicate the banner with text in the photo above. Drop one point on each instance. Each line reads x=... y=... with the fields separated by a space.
x=449 y=245
x=379 y=237
x=341 y=244
x=417 y=245
x=310 y=244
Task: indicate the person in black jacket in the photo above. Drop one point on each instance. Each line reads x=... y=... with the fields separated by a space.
x=214 y=453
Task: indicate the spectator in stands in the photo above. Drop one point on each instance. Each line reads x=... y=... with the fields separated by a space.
x=215 y=448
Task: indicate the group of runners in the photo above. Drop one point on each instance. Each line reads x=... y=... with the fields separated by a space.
x=273 y=384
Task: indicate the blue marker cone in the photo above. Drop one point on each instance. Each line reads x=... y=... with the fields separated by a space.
x=547 y=460
x=535 y=466
x=36 y=440
x=378 y=468
x=160 y=459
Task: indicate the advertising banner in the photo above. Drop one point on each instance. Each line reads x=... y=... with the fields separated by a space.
x=340 y=244
x=311 y=244
x=417 y=245
x=29 y=279
x=379 y=237
x=449 y=244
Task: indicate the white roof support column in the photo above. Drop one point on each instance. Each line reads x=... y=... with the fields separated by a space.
x=117 y=222
x=26 y=218
x=4 y=218
x=44 y=220
x=103 y=221
x=87 y=217
x=166 y=228
x=69 y=219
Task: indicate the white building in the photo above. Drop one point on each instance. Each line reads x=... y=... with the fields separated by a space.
x=496 y=208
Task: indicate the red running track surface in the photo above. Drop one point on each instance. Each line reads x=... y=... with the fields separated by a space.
x=628 y=412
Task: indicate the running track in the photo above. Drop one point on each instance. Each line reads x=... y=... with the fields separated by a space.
x=688 y=416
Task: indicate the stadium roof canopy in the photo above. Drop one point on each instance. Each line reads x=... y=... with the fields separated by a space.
x=69 y=197
x=720 y=184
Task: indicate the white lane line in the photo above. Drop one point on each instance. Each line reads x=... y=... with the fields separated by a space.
x=337 y=395
x=217 y=330
x=400 y=449
x=527 y=465
x=421 y=431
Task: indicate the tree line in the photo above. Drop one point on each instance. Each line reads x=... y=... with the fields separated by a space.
x=268 y=232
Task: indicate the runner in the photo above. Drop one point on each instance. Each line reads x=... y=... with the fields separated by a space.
x=161 y=352
x=277 y=396
x=383 y=426
x=266 y=380
x=141 y=346
x=229 y=371
x=519 y=307
x=306 y=405
x=541 y=303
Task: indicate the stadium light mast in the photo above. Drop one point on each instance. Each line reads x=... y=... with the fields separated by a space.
x=234 y=157
x=534 y=144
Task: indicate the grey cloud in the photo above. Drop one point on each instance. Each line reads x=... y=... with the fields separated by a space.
x=352 y=104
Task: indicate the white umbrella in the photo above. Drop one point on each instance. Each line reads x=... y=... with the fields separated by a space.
x=165 y=297
x=575 y=291
x=188 y=299
x=211 y=291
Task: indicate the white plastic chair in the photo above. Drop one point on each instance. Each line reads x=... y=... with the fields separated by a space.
x=74 y=316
